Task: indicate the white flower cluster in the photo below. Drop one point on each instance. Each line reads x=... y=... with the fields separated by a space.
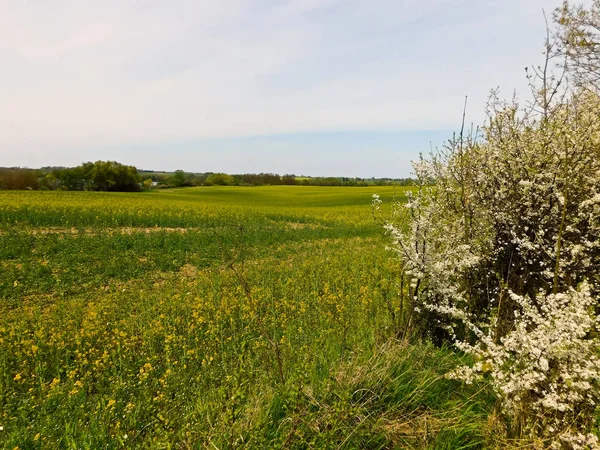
x=547 y=367
x=501 y=253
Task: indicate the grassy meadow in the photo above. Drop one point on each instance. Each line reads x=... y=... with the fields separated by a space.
x=220 y=317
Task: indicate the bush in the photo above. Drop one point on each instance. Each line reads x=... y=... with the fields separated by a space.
x=501 y=246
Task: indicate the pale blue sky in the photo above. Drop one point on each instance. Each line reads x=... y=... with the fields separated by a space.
x=318 y=87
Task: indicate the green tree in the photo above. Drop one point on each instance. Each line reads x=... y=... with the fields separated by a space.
x=177 y=179
x=50 y=181
x=18 y=178
x=219 y=179
x=147 y=183
x=99 y=176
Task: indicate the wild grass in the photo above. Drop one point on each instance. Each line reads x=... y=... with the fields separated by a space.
x=214 y=318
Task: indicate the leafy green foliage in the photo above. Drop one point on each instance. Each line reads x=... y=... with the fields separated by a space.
x=219 y=179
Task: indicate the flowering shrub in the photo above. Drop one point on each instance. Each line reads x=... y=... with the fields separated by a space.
x=501 y=248
x=545 y=370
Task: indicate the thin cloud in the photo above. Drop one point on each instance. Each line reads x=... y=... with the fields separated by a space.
x=78 y=75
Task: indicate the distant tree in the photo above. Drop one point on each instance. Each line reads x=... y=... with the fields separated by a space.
x=112 y=176
x=250 y=179
x=270 y=179
x=18 y=178
x=219 y=179
x=148 y=183
x=192 y=179
x=50 y=181
x=177 y=179
x=288 y=179
x=238 y=180
x=98 y=176
x=201 y=178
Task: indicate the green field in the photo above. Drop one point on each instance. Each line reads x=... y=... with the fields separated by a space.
x=219 y=317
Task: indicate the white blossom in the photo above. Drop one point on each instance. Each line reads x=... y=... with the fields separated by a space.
x=502 y=252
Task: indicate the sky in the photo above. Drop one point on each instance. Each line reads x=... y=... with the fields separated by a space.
x=311 y=87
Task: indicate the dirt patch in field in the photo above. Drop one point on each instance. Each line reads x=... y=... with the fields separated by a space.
x=188 y=271
x=132 y=230
x=95 y=232
x=54 y=230
x=302 y=226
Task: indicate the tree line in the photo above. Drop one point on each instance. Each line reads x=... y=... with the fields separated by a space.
x=112 y=176
x=181 y=178
x=89 y=176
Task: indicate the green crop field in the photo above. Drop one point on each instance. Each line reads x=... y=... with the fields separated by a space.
x=216 y=317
